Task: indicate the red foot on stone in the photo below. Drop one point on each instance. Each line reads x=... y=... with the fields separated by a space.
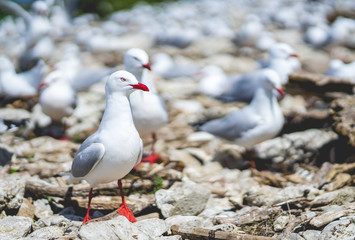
x=64 y=139
x=251 y=164
x=151 y=158
x=124 y=211
x=86 y=219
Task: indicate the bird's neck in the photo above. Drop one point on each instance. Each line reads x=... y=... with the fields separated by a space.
x=117 y=112
x=264 y=100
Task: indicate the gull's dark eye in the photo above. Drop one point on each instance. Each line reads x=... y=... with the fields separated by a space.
x=123 y=79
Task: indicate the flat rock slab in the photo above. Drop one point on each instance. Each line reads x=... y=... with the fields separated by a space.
x=341 y=229
x=14 y=226
x=183 y=198
x=12 y=190
x=116 y=228
x=293 y=147
x=48 y=232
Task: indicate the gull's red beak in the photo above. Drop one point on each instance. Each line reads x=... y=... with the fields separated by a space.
x=42 y=85
x=147 y=66
x=294 y=55
x=282 y=93
x=140 y=86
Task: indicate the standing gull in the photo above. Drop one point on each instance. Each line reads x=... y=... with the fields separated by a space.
x=25 y=84
x=148 y=109
x=116 y=147
x=262 y=119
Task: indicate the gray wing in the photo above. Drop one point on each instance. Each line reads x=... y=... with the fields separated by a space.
x=88 y=156
x=242 y=87
x=87 y=77
x=232 y=126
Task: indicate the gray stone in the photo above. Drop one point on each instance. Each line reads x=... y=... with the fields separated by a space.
x=55 y=220
x=294 y=147
x=340 y=197
x=43 y=209
x=6 y=154
x=153 y=227
x=48 y=232
x=267 y=195
x=311 y=234
x=15 y=226
x=341 y=229
x=294 y=236
x=189 y=221
x=281 y=222
x=183 y=198
x=118 y=228
x=12 y=190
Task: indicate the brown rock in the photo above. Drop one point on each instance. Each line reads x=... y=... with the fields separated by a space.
x=27 y=209
x=343 y=114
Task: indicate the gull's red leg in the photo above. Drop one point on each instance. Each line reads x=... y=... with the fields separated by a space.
x=87 y=217
x=124 y=210
x=153 y=157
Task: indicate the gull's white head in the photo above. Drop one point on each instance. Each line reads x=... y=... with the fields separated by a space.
x=40 y=8
x=335 y=64
x=271 y=80
x=135 y=60
x=282 y=51
x=123 y=81
x=52 y=78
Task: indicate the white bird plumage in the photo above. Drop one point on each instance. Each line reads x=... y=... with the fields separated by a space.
x=23 y=84
x=148 y=109
x=262 y=119
x=116 y=147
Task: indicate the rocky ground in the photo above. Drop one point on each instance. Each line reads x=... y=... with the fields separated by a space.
x=301 y=189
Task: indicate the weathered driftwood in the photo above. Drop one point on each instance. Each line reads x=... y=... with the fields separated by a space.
x=40 y=188
x=114 y=202
x=322 y=83
x=203 y=233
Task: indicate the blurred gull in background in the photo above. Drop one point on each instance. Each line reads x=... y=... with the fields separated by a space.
x=338 y=68
x=148 y=108
x=25 y=84
x=262 y=119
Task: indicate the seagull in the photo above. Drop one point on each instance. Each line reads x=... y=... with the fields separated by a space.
x=80 y=77
x=282 y=59
x=167 y=68
x=262 y=119
x=57 y=98
x=214 y=81
x=338 y=68
x=25 y=84
x=116 y=147
x=38 y=43
x=148 y=108
x=249 y=33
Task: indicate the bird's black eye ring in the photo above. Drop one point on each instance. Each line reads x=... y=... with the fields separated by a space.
x=123 y=79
